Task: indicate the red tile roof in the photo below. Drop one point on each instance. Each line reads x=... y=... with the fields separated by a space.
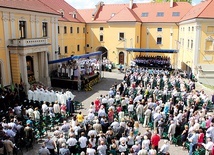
x=180 y=8
x=68 y=10
x=202 y=10
x=28 y=5
x=123 y=13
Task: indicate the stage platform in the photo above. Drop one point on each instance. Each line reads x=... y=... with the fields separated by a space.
x=72 y=84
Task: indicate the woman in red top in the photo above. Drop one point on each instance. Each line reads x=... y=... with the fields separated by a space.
x=200 y=138
x=97 y=104
x=119 y=108
x=155 y=140
x=63 y=109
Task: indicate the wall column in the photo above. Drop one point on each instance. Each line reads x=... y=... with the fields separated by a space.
x=46 y=72
x=24 y=75
x=41 y=66
x=197 y=49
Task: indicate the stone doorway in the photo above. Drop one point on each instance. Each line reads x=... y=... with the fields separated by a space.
x=121 y=58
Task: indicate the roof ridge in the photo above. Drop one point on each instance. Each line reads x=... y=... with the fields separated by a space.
x=204 y=8
x=49 y=7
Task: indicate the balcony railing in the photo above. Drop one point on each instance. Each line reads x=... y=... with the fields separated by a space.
x=28 y=42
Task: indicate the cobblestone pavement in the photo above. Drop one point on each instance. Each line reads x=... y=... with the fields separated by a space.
x=108 y=79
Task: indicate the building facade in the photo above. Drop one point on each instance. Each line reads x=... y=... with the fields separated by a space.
x=28 y=34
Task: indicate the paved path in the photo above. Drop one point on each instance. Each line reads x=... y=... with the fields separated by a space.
x=102 y=88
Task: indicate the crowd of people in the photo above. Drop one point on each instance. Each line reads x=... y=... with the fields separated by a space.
x=168 y=106
x=153 y=61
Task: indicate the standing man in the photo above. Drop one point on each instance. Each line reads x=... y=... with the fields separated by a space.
x=193 y=142
x=43 y=150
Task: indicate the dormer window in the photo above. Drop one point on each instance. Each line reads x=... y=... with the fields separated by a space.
x=61 y=11
x=176 y=14
x=74 y=14
x=144 y=14
x=160 y=14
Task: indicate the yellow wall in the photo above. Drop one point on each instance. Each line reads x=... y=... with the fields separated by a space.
x=71 y=40
x=111 y=38
x=207 y=53
x=3 y=51
x=186 y=53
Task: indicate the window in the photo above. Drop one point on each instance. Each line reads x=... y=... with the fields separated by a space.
x=188 y=28
x=44 y=29
x=59 y=50
x=188 y=43
x=78 y=48
x=101 y=37
x=209 y=46
x=193 y=28
x=83 y=30
x=160 y=14
x=58 y=30
x=66 y=49
x=22 y=29
x=159 y=40
x=121 y=36
x=176 y=14
x=74 y=15
x=65 y=29
x=71 y=29
x=87 y=45
x=144 y=14
x=101 y=28
x=210 y=29
x=159 y=29
x=191 y=44
x=78 y=30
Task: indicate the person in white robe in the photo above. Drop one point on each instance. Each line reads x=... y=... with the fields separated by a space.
x=53 y=96
x=36 y=95
x=30 y=94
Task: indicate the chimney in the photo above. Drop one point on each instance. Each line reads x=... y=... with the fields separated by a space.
x=171 y=3
x=130 y=4
x=98 y=6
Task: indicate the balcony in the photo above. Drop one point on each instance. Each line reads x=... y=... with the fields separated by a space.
x=28 y=42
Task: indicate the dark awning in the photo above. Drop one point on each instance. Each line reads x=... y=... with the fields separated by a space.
x=75 y=57
x=151 y=50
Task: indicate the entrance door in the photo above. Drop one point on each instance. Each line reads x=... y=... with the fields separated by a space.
x=30 y=70
x=121 y=58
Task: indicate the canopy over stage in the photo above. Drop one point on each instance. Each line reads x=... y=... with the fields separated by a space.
x=77 y=72
x=151 y=50
x=155 y=58
x=75 y=57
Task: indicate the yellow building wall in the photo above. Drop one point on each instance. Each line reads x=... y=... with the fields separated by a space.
x=111 y=40
x=187 y=34
x=169 y=37
x=206 y=55
x=3 y=60
x=71 y=40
